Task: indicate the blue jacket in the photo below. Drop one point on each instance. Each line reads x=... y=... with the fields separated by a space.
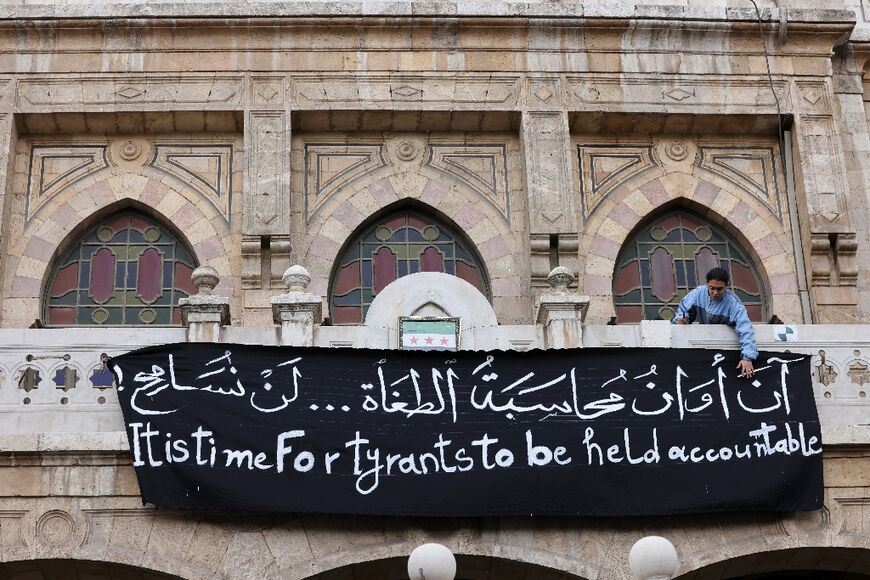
x=697 y=305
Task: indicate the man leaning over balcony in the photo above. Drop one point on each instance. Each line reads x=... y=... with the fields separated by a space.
x=715 y=303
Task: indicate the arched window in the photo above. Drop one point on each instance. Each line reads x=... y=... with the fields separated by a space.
x=672 y=255
x=397 y=245
x=126 y=270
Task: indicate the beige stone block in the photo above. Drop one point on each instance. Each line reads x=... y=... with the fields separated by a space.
x=257 y=298
x=600 y=310
x=208 y=545
x=125 y=482
x=14 y=481
x=20 y=312
x=787 y=307
x=599 y=266
x=82 y=202
x=758 y=228
x=611 y=230
x=199 y=231
x=835 y=295
x=158 y=122
x=170 y=537
x=171 y=203
x=72 y=123
x=335 y=231
x=637 y=201
x=31 y=268
x=504 y=266
x=679 y=184
x=128 y=185
x=193 y=121
x=222 y=265
x=724 y=203
x=482 y=231
x=409 y=184
x=451 y=203
x=779 y=264
x=318 y=267
x=289 y=543
x=851 y=472
x=364 y=202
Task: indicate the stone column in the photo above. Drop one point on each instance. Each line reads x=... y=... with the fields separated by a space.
x=297 y=311
x=205 y=312
x=561 y=312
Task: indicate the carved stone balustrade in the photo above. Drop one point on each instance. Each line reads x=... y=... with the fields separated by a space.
x=297 y=311
x=561 y=312
x=205 y=312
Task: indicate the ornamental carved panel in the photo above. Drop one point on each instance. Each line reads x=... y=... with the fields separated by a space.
x=463 y=91
x=752 y=169
x=331 y=166
x=603 y=168
x=208 y=91
x=54 y=168
x=481 y=167
x=205 y=168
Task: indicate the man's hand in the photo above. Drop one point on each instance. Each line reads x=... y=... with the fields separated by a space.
x=745 y=367
x=682 y=320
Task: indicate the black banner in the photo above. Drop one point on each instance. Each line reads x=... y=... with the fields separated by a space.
x=596 y=432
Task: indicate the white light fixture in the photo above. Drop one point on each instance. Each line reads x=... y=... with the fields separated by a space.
x=432 y=562
x=653 y=558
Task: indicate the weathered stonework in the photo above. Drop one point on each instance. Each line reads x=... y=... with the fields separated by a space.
x=270 y=133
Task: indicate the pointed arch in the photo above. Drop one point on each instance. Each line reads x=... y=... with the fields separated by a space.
x=35 y=245
x=125 y=265
x=763 y=239
x=401 y=239
x=668 y=255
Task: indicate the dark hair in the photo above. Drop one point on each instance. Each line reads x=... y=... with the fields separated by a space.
x=719 y=274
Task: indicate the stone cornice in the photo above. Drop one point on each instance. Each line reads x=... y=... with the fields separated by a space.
x=380 y=9
x=85 y=30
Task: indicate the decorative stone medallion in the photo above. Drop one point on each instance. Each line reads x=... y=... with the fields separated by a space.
x=129 y=150
x=406 y=151
x=677 y=150
x=55 y=527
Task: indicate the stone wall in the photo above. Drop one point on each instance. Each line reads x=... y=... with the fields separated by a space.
x=268 y=133
x=529 y=95
x=77 y=498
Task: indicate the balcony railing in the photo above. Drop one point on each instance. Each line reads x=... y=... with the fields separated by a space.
x=56 y=380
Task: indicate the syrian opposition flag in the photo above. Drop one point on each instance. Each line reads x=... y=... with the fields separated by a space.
x=429 y=335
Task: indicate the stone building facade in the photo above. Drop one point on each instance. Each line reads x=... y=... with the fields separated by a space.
x=617 y=140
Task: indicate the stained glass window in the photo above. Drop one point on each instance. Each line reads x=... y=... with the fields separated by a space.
x=669 y=257
x=397 y=245
x=127 y=270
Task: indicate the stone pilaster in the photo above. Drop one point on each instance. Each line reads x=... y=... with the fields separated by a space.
x=552 y=220
x=266 y=223
x=821 y=174
x=546 y=143
x=205 y=313
x=297 y=311
x=561 y=312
